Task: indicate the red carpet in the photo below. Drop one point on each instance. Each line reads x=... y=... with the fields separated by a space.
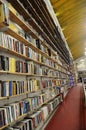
x=71 y=113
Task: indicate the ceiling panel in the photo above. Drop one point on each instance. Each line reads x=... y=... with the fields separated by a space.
x=71 y=15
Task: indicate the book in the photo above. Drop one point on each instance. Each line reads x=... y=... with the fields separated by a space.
x=13 y=88
x=27 y=37
x=4 y=63
x=45 y=112
x=10 y=88
x=30 y=67
x=10 y=41
x=28 y=123
x=38 y=44
x=1 y=39
x=1 y=88
x=12 y=64
x=28 y=105
x=2 y=120
x=7 y=88
x=9 y=113
x=4 y=14
x=49 y=52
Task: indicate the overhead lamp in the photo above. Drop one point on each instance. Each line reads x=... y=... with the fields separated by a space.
x=81 y=60
x=63 y=29
x=85 y=53
x=57 y=13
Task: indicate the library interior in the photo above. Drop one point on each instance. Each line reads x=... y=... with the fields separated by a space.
x=42 y=65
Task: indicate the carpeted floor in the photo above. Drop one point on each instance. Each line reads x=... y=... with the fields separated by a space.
x=71 y=114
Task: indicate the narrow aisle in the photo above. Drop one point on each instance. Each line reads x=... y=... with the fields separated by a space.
x=69 y=115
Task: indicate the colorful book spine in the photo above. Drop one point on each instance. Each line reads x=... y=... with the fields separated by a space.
x=4 y=15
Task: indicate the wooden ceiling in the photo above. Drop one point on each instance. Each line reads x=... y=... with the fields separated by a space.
x=71 y=15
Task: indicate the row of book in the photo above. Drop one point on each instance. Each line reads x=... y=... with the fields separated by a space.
x=13 y=65
x=71 y=81
x=48 y=72
x=32 y=122
x=51 y=93
x=12 y=88
x=47 y=109
x=64 y=70
x=39 y=57
x=51 y=83
x=10 y=113
x=60 y=74
x=29 y=122
x=14 y=45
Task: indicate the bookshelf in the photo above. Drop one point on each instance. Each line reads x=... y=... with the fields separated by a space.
x=32 y=81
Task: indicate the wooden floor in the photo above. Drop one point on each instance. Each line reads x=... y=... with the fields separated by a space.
x=71 y=114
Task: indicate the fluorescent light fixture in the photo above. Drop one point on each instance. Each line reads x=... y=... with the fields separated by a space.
x=85 y=53
x=58 y=13
x=81 y=60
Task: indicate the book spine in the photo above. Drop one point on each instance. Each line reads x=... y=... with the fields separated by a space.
x=10 y=88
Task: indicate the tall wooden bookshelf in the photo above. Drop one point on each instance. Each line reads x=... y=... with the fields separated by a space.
x=32 y=80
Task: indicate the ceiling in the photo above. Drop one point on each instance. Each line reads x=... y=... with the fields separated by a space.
x=71 y=15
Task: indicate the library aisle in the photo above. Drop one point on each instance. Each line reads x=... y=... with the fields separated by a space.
x=70 y=115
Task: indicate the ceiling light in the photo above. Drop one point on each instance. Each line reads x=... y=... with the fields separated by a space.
x=64 y=29
x=57 y=14
x=81 y=60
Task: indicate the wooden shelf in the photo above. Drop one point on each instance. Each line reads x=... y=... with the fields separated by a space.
x=40 y=20
x=4 y=127
x=24 y=57
x=3 y=98
x=24 y=41
x=22 y=24
x=44 y=89
x=15 y=73
x=52 y=98
x=18 y=95
x=26 y=27
x=25 y=74
x=19 y=7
